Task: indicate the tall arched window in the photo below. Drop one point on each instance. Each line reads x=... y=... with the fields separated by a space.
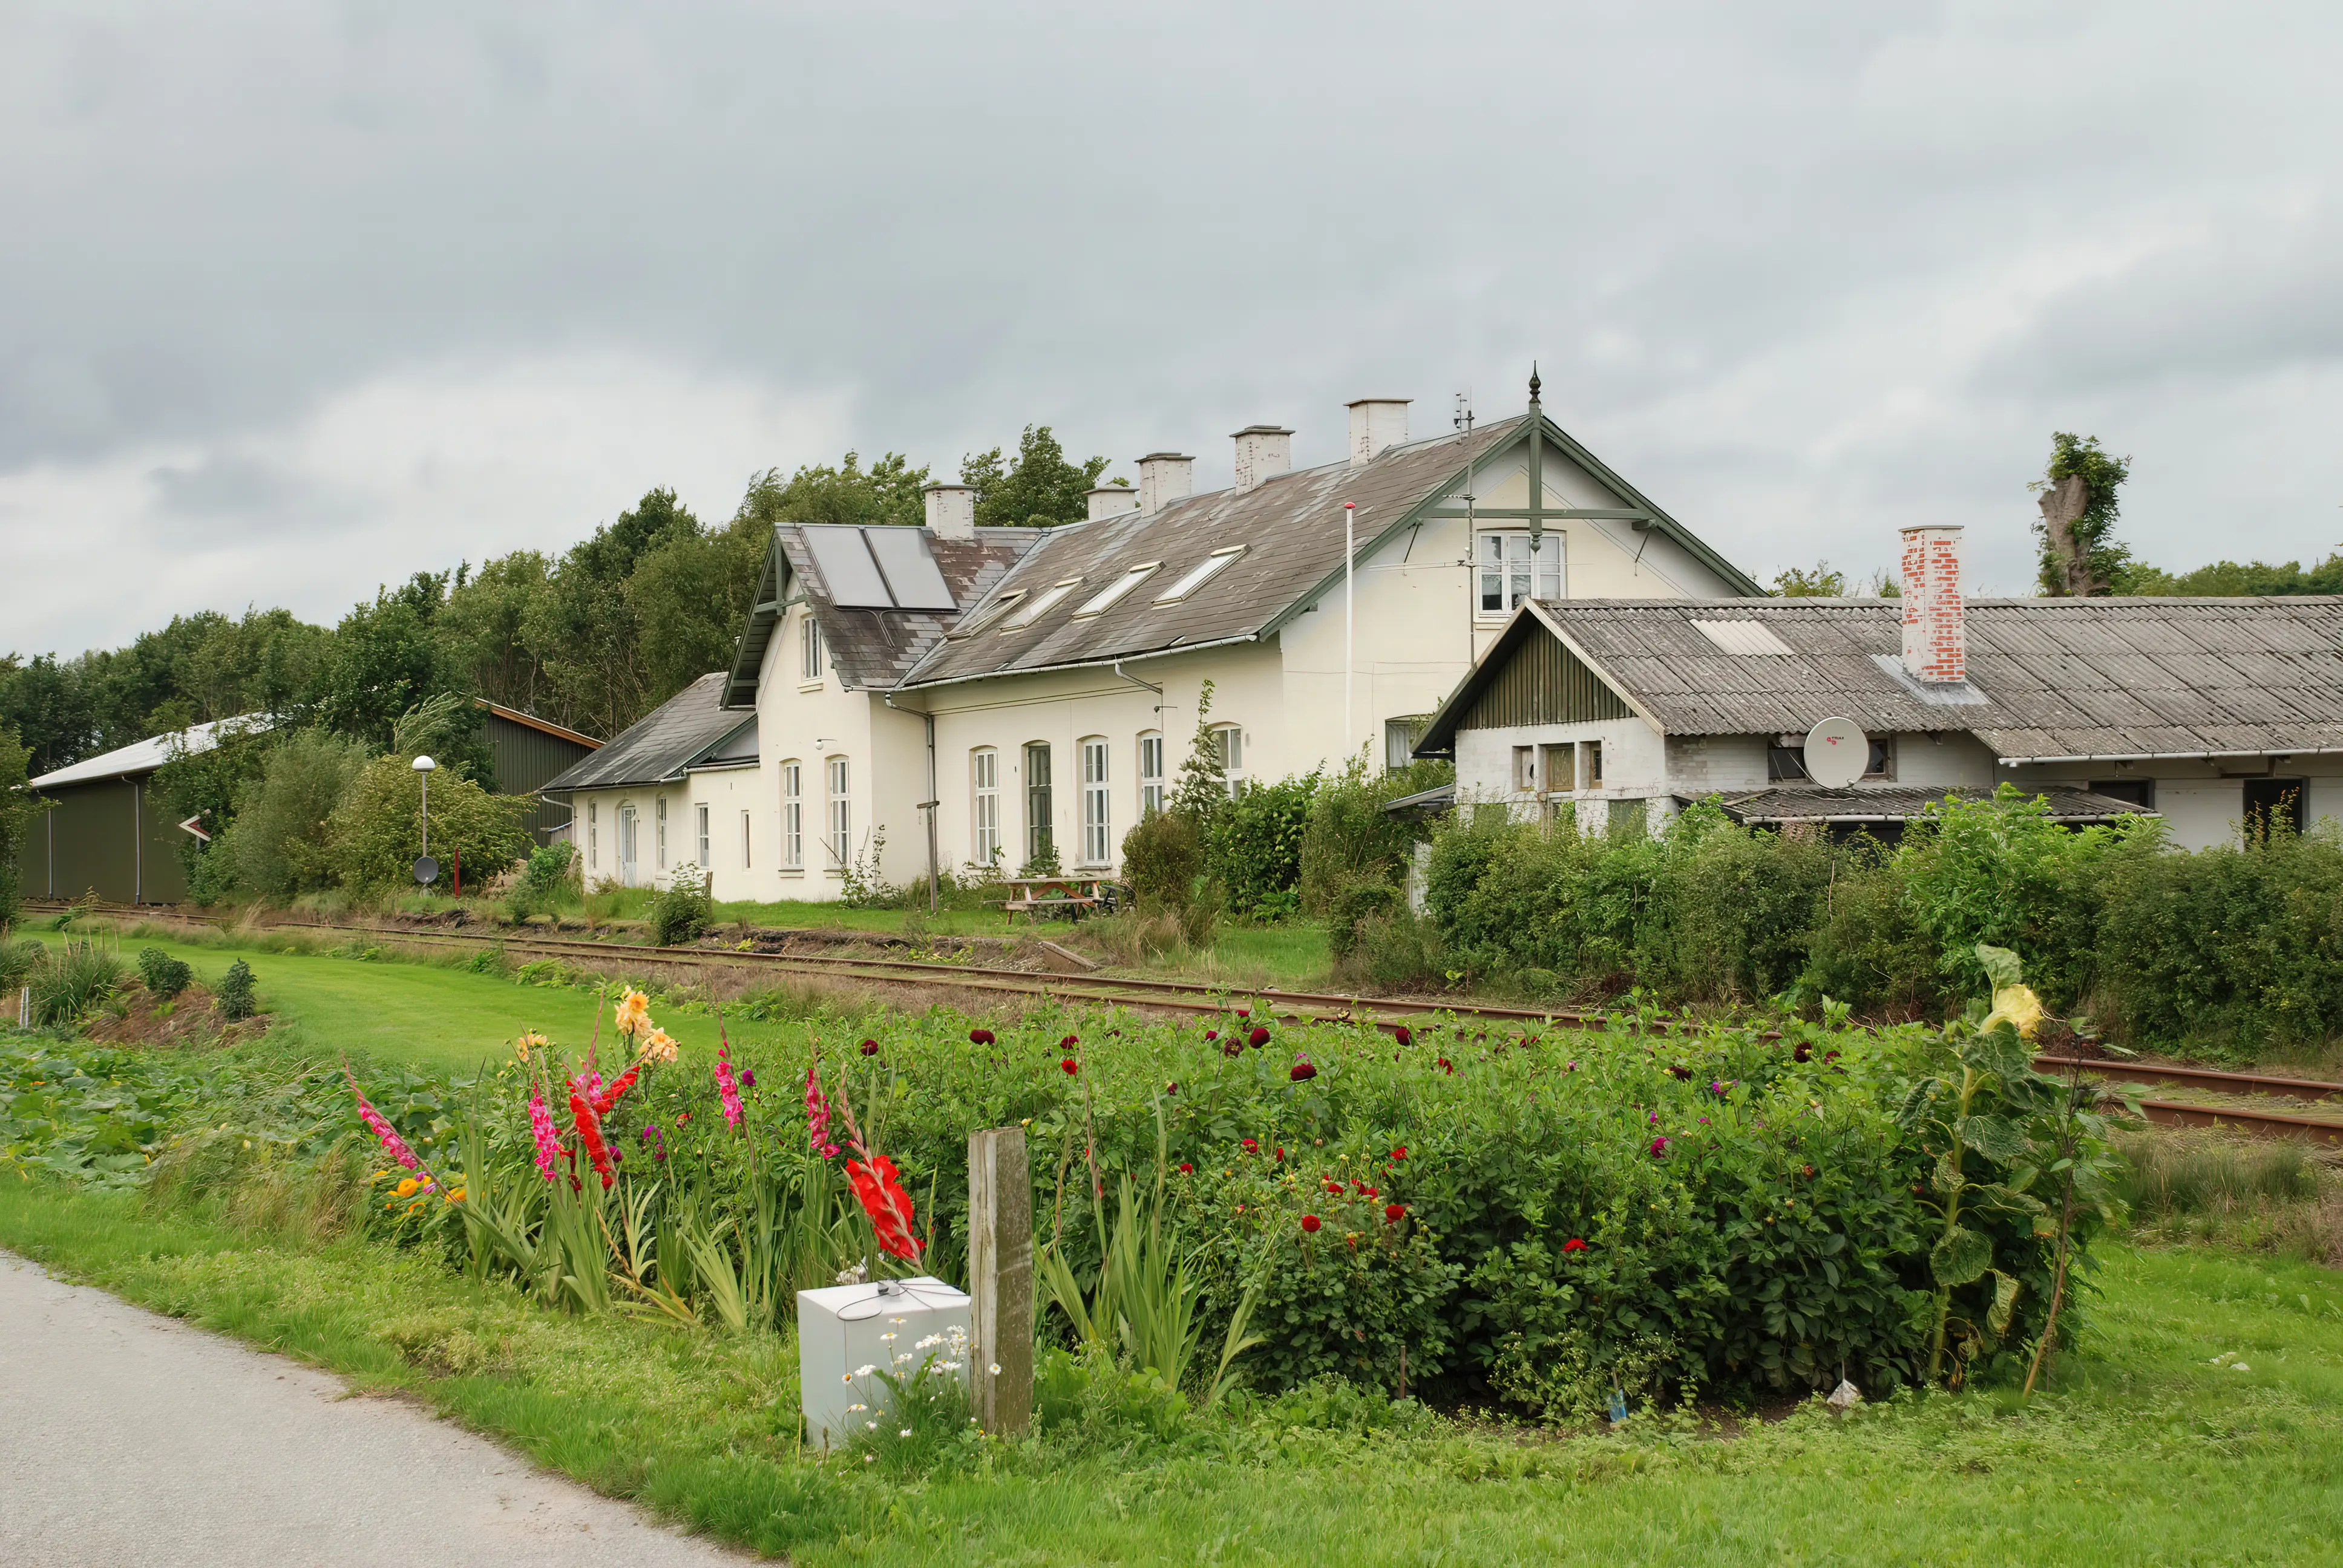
x=1098 y=832
x=1151 y=772
x=842 y=839
x=793 y=815
x=984 y=796
x=1041 y=827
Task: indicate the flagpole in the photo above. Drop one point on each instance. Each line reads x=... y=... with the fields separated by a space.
x=1350 y=622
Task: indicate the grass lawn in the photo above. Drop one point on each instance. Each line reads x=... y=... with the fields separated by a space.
x=432 y=1019
x=2146 y=1451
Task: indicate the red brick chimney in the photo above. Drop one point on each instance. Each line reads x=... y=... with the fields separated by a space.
x=1935 y=628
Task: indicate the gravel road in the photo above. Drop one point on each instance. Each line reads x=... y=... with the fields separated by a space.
x=128 y=1440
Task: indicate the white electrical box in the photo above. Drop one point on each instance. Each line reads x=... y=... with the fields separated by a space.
x=843 y=1329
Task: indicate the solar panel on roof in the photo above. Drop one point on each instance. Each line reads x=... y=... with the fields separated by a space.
x=911 y=573
x=847 y=568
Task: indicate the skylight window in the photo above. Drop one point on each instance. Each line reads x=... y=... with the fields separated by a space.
x=1203 y=572
x=1744 y=637
x=1106 y=597
x=992 y=612
x=1041 y=603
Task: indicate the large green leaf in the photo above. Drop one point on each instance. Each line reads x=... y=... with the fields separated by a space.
x=2000 y=965
x=1960 y=1257
x=2005 y=1303
x=1997 y=1137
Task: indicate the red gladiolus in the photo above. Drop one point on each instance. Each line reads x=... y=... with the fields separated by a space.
x=1302 y=1073
x=1574 y=1245
x=869 y=1047
x=888 y=1206
x=1281 y=1152
x=1403 y=1035
x=589 y=1132
x=1310 y=1222
x=1394 y=1212
x=683 y=1119
x=1071 y=1066
x=610 y=1096
x=1400 y=1152
x=1251 y=1146
x=1259 y=1037
x=1186 y=1169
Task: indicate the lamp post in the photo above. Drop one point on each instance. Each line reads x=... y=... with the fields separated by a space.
x=426 y=870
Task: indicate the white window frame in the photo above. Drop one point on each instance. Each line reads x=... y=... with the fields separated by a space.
x=1098 y=809
x=810 y=650
x=1230 y=738
x=1517 y=574
x=793 y=815
x=840 y=838
x=1525 y=769
x=1041 y=603
x=1151 y=794
x=593 y=835
x=700 y=823
x=1040 y=800
x=658 y=829
x=747 y=843
x=1202 y=572
x=1104 y=599
x=984 y=805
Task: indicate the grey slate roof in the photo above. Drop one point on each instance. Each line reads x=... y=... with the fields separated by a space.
x=2051 y=679
x=1896 y=804
x=877 y=648
x=659 y=746
x=1292 y=527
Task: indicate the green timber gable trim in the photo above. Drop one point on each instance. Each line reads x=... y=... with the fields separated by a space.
x=1530 y=675
x=764 y=614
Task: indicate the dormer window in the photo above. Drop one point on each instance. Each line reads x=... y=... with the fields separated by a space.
x=1041 y=603
x=1204 y=571
x=1106 y=597
x=991 y=614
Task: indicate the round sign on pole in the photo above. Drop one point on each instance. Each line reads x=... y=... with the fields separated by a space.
x=427 y=871
x=1837 y=753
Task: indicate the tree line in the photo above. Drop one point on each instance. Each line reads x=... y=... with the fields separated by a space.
x=593 y=638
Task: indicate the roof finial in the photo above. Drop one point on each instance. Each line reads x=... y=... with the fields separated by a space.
x=1534 y=381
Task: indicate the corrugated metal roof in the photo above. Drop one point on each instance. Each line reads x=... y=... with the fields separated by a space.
x=2049 y=679
x=662 y=744
x=147 y=755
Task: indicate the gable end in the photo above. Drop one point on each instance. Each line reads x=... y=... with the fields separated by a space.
x=1543 y=683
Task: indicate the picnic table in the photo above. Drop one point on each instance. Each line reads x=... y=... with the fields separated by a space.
x=1072 y=896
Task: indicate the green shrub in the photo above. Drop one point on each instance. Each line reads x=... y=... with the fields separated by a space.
x=16 y=812
x=234 y=992
x=16 y=961
x=166 y=975
x=1253 y=846
x=1350 y=904
x=279 y=845
x=376 y=831
x=1349 y=836
x=681 y=911
x=1163 y=859
x=546 y=882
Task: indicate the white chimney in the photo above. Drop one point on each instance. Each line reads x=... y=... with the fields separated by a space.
x=1376 y=423
x=1110 y=501
x=952 y=510
x=1263 y=452
x=1936 y=625
x=1163 y=478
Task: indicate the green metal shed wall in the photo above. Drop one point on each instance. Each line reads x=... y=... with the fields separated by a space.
x=1543 y=683
x=525 y=758
x=104 y=837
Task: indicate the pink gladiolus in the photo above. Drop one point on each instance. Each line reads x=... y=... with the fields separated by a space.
x=817 y=1115
x=730 y=1088
x=548 y=1143
x=381 y=1128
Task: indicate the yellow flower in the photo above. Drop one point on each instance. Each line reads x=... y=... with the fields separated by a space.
x=634 y=1015
x=660 y=1047
x=457 y=1196
x=528 y=1041
x=405 y=1189
x=2016 y=1006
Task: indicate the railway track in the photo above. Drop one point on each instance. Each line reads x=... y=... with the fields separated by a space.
x=1195 y=999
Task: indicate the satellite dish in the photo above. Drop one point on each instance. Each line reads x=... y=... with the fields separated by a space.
x=427 y=871
x=1837 y=753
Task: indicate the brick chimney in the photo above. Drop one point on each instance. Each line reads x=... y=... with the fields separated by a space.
x=952 y=510
x=1110 y=501
x=1376 y=423
x=1163 y=478
x=1935 y=622
x=1263 y=452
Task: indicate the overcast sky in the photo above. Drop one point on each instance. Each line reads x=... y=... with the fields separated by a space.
x=297 y=299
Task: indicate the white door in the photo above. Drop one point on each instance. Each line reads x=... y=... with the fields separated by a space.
x=626 y=822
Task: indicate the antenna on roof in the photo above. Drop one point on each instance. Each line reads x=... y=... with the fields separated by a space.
x=1465 y=411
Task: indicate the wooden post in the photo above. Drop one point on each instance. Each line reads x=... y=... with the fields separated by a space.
x=1001 y=1278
